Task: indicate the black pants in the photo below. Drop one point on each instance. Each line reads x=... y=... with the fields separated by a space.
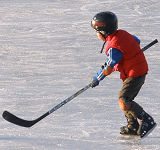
x=130 y=89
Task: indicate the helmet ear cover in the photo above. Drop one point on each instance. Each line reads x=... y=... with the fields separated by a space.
x=102 y=33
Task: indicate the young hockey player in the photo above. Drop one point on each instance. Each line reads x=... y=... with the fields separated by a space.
x=124 y=55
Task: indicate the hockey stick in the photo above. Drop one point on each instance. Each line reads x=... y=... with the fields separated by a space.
x=149 y=45
x=28 y=123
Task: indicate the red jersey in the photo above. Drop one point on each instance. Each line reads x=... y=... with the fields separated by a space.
x=133 y=62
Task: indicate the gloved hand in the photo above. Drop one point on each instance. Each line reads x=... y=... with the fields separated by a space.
x=94 y=83
x=107 y=70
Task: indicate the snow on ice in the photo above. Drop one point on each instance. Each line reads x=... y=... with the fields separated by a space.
x=48 y=52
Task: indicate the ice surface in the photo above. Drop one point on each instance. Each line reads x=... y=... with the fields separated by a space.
x=49 y=52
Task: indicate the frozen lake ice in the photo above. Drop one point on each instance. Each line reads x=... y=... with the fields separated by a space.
x=48 y=52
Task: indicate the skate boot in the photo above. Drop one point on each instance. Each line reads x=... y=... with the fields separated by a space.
x=131 y=128
x=147 y=124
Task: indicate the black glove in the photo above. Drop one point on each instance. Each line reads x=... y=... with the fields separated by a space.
x=94 y=83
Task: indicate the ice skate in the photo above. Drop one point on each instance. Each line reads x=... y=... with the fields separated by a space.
x=147 y=125
x=130 y=129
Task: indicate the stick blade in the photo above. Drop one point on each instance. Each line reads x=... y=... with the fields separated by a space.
x=18 y=121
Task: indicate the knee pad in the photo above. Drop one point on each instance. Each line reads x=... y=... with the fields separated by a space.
x=124 y=106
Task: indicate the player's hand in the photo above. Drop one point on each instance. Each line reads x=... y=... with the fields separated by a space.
x=94 y=83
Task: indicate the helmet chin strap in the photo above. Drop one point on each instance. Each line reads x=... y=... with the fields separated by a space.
x=104 y=36
x=103 y=46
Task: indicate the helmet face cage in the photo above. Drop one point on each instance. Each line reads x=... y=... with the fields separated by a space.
x=105 y=21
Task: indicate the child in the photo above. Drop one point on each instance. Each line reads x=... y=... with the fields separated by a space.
x=124 y=55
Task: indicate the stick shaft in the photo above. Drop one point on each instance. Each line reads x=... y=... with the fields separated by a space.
x=26 y=123
x=149 y=45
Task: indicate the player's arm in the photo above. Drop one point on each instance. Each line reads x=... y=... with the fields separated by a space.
x=113 y=57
